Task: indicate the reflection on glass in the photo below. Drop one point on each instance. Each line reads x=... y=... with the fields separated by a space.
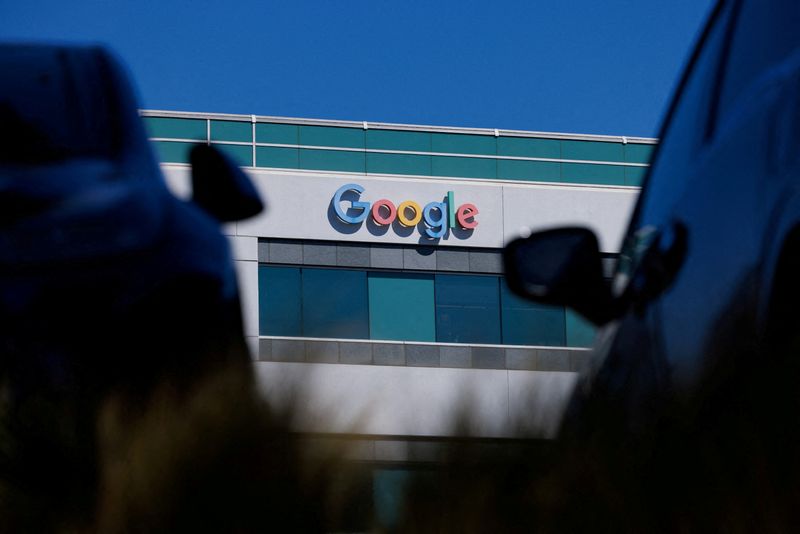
x=467 y=309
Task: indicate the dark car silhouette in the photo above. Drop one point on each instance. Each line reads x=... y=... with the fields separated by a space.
x=704 y=301
x=109 y=284
x=689 y=419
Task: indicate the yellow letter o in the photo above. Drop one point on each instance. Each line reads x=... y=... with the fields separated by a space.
x=401 y=213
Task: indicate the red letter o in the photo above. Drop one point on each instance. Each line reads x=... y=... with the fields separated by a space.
x=376 y=212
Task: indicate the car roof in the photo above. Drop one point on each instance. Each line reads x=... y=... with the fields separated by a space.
x=63 y=102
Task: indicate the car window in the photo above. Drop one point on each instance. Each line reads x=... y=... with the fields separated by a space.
x=683 y=136
x=765 y=33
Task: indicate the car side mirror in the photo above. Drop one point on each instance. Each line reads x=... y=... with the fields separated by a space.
x=561 y=267
x=220 y=187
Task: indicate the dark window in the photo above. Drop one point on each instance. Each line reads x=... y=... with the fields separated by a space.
x=401 y=306
x=450 y=308
x=467 y=309
x=687 y=127
x=675 y=164
x=279 y=301
x=335 y=304
x=530 y=323
x=765 y=34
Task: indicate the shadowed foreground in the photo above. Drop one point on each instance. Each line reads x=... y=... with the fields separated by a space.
x=216 y=457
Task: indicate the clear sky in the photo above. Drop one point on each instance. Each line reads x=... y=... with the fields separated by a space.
x=584 y=66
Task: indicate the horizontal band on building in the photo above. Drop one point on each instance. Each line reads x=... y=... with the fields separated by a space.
x=413 y=354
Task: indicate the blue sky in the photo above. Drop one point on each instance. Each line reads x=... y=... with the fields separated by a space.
x=584 y=66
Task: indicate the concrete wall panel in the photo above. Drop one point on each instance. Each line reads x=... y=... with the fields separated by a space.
x=247 y=277
x=416 y=401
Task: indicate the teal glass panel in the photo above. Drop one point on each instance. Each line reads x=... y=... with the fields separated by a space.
x=176 y=128
x=242 y=155
x=639 y=153
x=401 y=307
x=332 y=136
x=530 y=147
x=634 y=175
x=464 y=144
x=592 y=150
x=389 y=489
x=580 y=332
x=170 y=152
x=399 y=140
x=279 y=301
x=280 y=134
x=398 y=164
x=467 y=309
x=335 y=303
x=463 y=167
x=588 y=173
x=529 y=323
x=332 y=160
x=544 y=171
x=282 y=158
x=232 y=131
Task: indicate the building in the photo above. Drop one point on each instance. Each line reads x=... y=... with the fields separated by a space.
x=374 y=277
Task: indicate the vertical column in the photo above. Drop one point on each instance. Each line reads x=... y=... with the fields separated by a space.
x=253 y=138
x=245 y=256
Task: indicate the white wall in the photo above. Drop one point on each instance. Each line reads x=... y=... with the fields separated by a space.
x=416 y=401
x=298 y=207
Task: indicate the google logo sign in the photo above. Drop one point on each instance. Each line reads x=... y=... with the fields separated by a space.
x=438 y=216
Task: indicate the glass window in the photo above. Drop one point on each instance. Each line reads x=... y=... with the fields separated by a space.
x=176 y=128
x=580 y=332
x=332 y=160
x=464 y=144
x=589 y=173
x=591 y=150
x=675 y=164
x=389 y=488
x=282 y=158
x=399 y=140
x=514 y=169
x=467 y=309
x=280 y=134
x=635 y=175
x=464 y=167
x=279 y=302
x=241 y=155
x=529 y=323
x=231 y=131
x=332 y=136
x=638 y=153
x=765 y=34
x=172 y=152
x=530 y=147
x=335 y=304
x=401 y=306
x=398 y=164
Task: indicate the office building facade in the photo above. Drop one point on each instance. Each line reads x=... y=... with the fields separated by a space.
x=374 y=277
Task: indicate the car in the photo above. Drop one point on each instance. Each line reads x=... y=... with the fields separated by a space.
x=698 y=329
x=110 y=286
x=714 y=237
